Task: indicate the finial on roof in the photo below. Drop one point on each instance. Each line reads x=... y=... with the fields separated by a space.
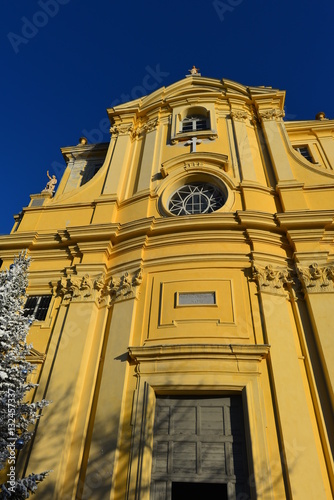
x=194 y=71
x=83 y=140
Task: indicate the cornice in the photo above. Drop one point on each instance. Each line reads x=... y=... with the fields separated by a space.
x=253 y=219
x=227 y=259
x=268 y=237
x=17 y=240
x=310 y=125
x=305 y=219
x=55 y=205
x=263 y=259
x=142 y=354
x=199 y=236
x=85 y=150
x=184 y=223
x=135 y=229
x=91 y=232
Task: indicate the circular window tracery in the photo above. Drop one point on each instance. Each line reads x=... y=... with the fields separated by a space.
x=196 y=198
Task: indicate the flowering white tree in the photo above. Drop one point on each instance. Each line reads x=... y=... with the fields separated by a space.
x=17 y=414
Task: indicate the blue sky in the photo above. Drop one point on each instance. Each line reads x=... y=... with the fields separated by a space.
x=65 y=61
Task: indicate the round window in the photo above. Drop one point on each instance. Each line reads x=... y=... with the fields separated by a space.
x=196 y=198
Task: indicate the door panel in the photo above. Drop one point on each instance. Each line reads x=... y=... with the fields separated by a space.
x=199 y=442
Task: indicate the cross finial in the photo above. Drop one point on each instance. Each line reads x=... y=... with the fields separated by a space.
x=192 y=143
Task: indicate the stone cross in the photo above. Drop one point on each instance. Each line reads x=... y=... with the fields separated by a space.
x=192 y=143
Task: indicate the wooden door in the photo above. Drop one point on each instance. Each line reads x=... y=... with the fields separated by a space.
x=199 y=449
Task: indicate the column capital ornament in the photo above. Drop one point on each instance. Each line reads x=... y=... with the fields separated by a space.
x=125 y=286
x=270 y=279
x=271 y=114
x=145 y=128
x=317 y=279
x=77 y=288
x=239 y=116
x=103 y=290
x=121 y=129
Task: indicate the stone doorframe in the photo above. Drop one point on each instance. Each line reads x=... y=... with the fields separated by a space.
x=198 y=370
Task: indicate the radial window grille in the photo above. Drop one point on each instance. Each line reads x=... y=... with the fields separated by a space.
x=196 y=198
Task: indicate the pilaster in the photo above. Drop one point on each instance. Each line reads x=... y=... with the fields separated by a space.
x=150 y=129
x=116 y=175
x=297 y=438
x=244 y=149
x=122 y=293
x=68 y=379
x=318 y=286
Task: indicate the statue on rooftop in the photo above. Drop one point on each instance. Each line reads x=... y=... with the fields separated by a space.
x=194 y=71
x=51 y=184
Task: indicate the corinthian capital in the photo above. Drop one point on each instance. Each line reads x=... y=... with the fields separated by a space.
x=238 y=115
x=271 y=114
x=122 y=129
x=270 y=279
x=317 y=279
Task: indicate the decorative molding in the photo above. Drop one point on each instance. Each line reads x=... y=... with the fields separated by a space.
x=125 y=286
x=145 y=128
x=75 y=288
x=271 y=114
x=239 y=116
x=195 y=164
x=270 y=279
x=104 y=291
x=148 y=358
x=122 y=129
x=203 y=160
x=317 y=279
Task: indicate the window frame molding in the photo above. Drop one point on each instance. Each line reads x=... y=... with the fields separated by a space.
x=310 y=150
x=191 y=167
x=206 y=110
x=50 y=316
x=39 y=297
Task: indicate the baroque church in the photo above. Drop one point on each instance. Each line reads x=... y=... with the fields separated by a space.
x=182 y=279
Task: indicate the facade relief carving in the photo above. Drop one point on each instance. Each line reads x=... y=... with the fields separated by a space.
x=73 y=288
x=194 y=164
x=125 y=286
x=271 y=114
x=145 y=128
x=270 y=279
x=317 y=279
x=122 y=129
x=240 y=116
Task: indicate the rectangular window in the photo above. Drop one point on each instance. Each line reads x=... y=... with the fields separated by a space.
x=304 y=151
x=38 y=306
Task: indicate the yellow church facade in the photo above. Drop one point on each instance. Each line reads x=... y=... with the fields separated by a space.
x=183 y=280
